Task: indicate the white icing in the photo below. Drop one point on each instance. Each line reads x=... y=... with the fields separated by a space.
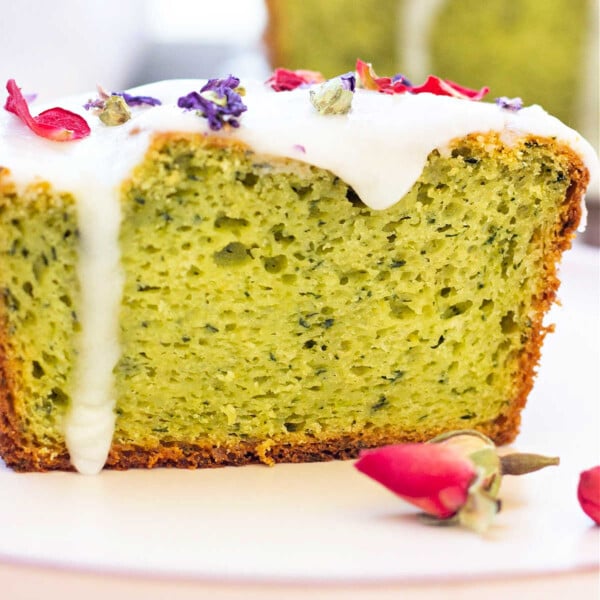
x=379 y=148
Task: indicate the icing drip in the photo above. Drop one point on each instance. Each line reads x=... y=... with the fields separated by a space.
x=379 y=148
x=90 y=424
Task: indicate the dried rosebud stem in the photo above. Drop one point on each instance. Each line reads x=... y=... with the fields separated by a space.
x=522 y=463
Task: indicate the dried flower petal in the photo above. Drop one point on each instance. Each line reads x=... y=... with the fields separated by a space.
x=369 y=80
x=138 y=100
x=55 y=124
x=588 y=493
x=284 y=80
x=400 y=85
x=512 y=104
x=219 y=101
x=445 y=87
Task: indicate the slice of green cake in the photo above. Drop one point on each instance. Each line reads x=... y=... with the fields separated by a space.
x=265 y=305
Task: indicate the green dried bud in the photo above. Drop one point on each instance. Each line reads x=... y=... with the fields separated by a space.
x=115 y=111
x=332 y=97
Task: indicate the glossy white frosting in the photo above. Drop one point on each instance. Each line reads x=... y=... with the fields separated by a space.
x=379 y=148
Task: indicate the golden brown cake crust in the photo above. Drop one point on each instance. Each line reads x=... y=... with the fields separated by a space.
x=18 y=455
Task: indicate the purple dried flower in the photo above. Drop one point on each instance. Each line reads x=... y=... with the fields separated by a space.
x=513 y=104
x=399 y=78
x=138 y=100
x=349 y=81
x=100 y=102
x=97 y=103
x=299 y=148
x=219 y=101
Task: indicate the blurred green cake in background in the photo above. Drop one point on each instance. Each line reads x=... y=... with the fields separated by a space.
x=538 y=50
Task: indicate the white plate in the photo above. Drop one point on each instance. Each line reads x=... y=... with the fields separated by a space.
x=327 y=522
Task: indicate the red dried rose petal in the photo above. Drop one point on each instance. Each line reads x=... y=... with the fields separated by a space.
x=55 y=124
x=434 y=477
x=370 y=81
x=588 y=493
x=434 y=85
x=445 y=87
x=285 y=80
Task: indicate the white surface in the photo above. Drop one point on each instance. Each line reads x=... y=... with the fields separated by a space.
x=326 y=522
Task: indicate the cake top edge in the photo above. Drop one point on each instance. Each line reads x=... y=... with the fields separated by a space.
x=375 y=134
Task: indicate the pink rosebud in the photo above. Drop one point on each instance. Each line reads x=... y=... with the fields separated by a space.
x=588 y=493
x=434 y=477
x=55 y=124
x=454 y=478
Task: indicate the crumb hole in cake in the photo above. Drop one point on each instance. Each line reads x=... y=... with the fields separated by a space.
x=400 y=309
x=248 y=180
x=233 y=254
x=302 y=191
x=66 y=300
x=280 y=236
x=486 y=306
x=508 y=323
x=354 y=198
x=457 y=309
x=37 y=370
x=58 y=396
x=28 y=288
x=274 y=264
x=503 y=208
x=361 y=370
x=223 y=221
x=423 y=197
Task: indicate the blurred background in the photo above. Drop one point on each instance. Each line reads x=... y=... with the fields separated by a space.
x=545 y=51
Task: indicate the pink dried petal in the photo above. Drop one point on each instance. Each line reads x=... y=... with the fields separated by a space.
x=386 y=85
x=588 y=493
x=445 y=87
x=433 y=477
x=55 y=124
x=285 y=80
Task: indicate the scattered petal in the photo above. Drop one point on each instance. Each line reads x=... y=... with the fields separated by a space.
x=284 y=80
x=138 y=100
x=369 y=80
x=512 y=104
x=55 y=124
x=445 y=87
x=398 y=84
